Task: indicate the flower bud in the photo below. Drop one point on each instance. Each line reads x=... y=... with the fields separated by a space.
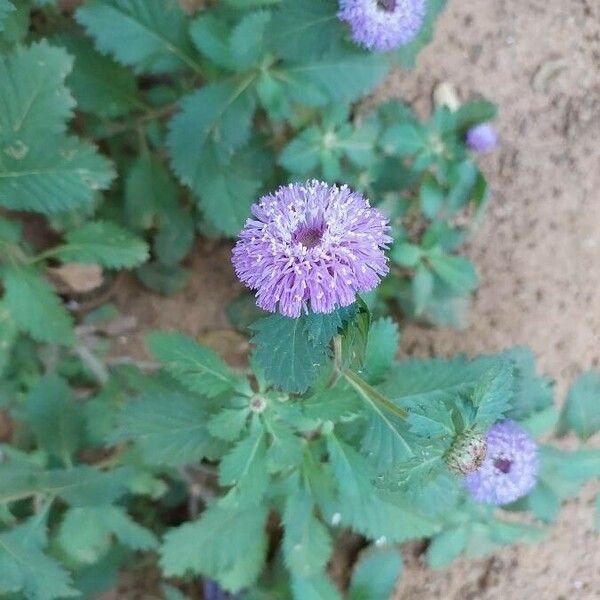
x=467 y=452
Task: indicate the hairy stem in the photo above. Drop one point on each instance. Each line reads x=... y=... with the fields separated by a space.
x=372 y=396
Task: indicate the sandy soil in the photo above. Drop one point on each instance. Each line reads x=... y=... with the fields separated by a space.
x=537 y=252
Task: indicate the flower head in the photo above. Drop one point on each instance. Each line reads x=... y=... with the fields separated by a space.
x=467 y=453
x=482 y=138
x=510 y=468
x=383 y=25
x=311 y=246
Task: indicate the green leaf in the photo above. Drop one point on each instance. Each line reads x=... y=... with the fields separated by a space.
x=375 y=574
x=8 y=335
x=405 y=139
x=204 y=546
x=228 y=190
x=25 y=568
x=431 y=196
x=149 y=35
x=210 y=35
x=360 y=506
x=228 y=423
x=86 y=534
x=493 y=394
x=220 y=114
x=244 y=468
x=167 y=428
x=302 y=29
x=54 y=419
x=422 y=288
x=34 y=306
x=446 y=546
x=581 y=412
x=99 y=85
x=382 y=346
x=406 y=255
x=40 y=168
x=247 y=40
x=6 y=7
x=103 y=243
x=302 y=155
x=175 y=237
x=457 y=272
x=198 y=368
x=473 y=113
x=49 y=174
x=288 y=355
x=307 y=544
x=78 y=486
x=315 y=588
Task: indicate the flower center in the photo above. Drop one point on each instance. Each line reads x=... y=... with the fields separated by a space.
x=503 y=465
x=309 y=237
x=387 y=5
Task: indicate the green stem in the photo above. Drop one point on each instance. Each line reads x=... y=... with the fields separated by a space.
x=372 y=396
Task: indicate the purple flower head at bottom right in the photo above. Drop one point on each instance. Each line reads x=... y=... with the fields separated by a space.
x=482 y=138
x=510 y=468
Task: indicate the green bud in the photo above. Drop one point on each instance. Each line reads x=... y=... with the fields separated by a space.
x=467 y=452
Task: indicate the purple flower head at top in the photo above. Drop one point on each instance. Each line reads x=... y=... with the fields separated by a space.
x=383 y=25
x=510 y=468
x=482 y=138
x=311 y=246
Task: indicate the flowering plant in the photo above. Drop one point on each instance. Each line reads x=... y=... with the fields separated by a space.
x=242 y=119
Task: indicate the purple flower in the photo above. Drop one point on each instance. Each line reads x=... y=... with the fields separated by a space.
x=383 y=25
x=311 y=246
x=482 y=138
x=510 y=468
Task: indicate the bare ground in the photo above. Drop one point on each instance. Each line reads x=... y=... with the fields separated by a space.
x=538 y=251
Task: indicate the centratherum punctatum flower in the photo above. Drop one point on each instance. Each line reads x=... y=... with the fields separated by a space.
x=510 y=468
x=383 y=25
x=482 y=138
x=311 y=247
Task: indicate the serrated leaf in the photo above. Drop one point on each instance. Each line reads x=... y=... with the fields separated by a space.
x=100 y=85
x=210 y=35
x=203 y=547
x=344 y=75
x=581 y=412
x=228 y=190
x=360 y=506
x=375 y=574
x=228 y=423
x=382 y=346
x=302 y=29
x=218 y=113
x=78 y=486
x=307 y=544
x=175 y=237
x=149 y=35
x=244 y=468
x=25 y=568
x=285 y=447
x=289 y=357
x=493 y=394
x=54 y=419
x=86 y=534
x=49 y=174
x=103 y=243
x=34 y=306
x=198 y=368
x=247 y=39
x=41 y=169
x=166 y=428
x=405 y=139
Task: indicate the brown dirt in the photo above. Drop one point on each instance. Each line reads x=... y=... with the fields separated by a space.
x=537 y=251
